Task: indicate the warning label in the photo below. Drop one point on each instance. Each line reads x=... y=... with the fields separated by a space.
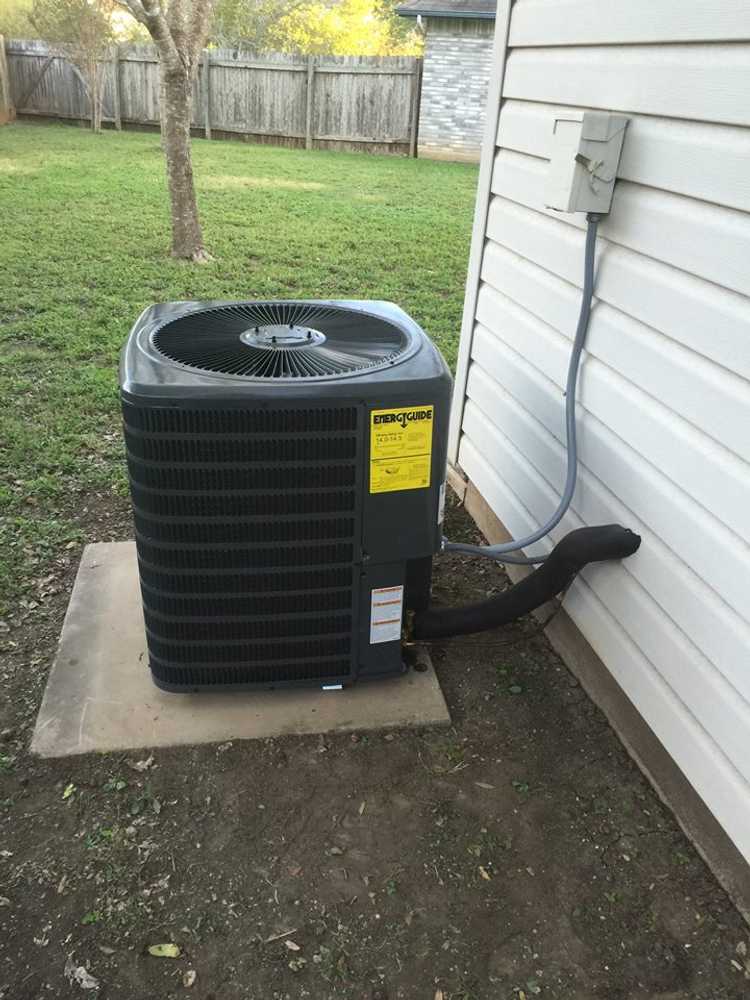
x=400 y=448
x=386 y=611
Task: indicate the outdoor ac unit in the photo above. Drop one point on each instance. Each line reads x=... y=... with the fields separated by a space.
x=287 y=464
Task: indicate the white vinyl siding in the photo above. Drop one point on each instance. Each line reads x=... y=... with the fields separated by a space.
x=664 y=390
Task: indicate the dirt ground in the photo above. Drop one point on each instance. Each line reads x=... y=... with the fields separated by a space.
x=518 y=854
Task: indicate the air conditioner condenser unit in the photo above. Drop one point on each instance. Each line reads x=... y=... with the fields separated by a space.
x=287 y=471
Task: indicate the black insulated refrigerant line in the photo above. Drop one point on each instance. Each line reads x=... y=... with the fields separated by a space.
x=569 y=556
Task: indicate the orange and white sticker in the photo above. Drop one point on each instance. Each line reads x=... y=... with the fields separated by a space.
x=386 y=612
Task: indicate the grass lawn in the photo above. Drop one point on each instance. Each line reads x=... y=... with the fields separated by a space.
x=85 y=234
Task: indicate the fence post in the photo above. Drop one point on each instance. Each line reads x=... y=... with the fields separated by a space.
x=207 y=93
x=117 y=113
x=6 y=105
x=416 y=97
x=310 y=102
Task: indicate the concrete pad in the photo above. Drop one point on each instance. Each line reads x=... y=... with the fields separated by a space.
x=100 y=695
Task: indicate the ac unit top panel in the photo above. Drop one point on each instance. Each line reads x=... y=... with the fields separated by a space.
x=263 y=350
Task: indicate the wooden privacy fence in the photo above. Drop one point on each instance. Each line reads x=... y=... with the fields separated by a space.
x=350 y=102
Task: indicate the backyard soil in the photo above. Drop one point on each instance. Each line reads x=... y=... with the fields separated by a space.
x=518 y=854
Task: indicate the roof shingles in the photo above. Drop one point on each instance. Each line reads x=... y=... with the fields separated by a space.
x=449 y=8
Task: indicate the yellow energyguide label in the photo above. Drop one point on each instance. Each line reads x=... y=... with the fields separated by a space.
x=400 y=448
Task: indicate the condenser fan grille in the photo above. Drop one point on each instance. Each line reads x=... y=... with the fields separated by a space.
x=282 y=340
x=248 y=567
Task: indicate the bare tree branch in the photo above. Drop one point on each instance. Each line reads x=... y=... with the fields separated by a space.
x=200 y=18
x=176 y=18
x=133 y=7
x=150 y=13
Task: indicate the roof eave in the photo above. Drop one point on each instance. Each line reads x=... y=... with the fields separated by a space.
x=458 y=15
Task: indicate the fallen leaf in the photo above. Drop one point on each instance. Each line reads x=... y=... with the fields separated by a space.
x=483 y=784
x=4 y=901
x=292 y=945
x=282 y=934
x=295 y=870
x=439 y=995
x=69 y=789
x=485 y=874
x=335 y=850
x=189 y=978
x=105 y=949
x=741 y=949
x=141 y=765
x=164 y=950
x=80 y=975
x=362 y=807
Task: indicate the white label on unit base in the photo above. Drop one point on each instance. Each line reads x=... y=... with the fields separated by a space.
x=386 y=612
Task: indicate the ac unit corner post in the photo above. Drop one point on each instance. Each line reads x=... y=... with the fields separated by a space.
x=286 y=464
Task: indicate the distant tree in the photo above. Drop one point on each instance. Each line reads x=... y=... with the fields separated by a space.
x=247 y=23
x=179 y=29
x=14 y=19
x=324 y=27
x=82 y=31
x=345 y=28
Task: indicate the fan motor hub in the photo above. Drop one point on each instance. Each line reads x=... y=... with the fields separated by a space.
x=282 y=336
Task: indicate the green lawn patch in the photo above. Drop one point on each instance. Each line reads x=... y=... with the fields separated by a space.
x=84 y=248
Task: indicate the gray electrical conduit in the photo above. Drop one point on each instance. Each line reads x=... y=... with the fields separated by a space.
x=500 y=552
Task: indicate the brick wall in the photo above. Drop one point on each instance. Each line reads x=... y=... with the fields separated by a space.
x=454 y=87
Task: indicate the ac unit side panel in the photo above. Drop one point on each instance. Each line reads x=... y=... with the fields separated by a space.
x=248 y=528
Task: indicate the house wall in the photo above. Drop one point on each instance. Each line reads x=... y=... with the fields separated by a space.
x=664 y=390
x=456 y=73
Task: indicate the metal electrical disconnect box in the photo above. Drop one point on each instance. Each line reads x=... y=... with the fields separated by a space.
x=583 y=166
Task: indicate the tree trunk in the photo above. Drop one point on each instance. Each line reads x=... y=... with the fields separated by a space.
x=97 y=96
x=187 y=240
x=93 y=95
